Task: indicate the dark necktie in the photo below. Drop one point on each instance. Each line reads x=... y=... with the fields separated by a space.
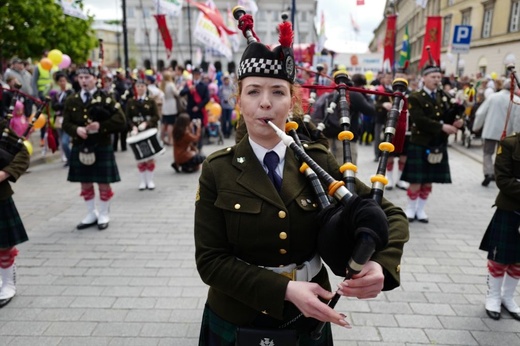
x=433 y=95
x=271 y=160
x=88 y=97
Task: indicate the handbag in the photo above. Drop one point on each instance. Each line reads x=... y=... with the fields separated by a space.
x=266 y=337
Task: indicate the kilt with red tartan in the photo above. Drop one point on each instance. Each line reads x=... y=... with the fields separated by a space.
x=12 y=231
x=104 y=170
x=418 y=170
x=502 y=237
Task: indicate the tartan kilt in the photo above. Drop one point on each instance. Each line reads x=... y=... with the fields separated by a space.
x=418 y=170
x=12 y=231
x=216 y=331
x=502 y=237
x=104 y=170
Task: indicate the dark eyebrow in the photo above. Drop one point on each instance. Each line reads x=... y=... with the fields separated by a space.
x=276 y=86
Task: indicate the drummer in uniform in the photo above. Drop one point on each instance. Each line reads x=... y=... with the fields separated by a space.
x=142 y=113
x=90 y=116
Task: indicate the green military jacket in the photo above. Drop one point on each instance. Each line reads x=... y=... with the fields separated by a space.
x=138 y=112
x=507 y=173
x=16 y=168
x=242 y=222
x=426 y=117
x=76 y=114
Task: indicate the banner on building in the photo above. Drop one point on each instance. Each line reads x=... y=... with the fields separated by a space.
x=169 y=7
x=389 y=44
x=405 y=53
x=165 y=33
x=213 y=14
x=70 y=8
x=321 y=35
x=433 y=39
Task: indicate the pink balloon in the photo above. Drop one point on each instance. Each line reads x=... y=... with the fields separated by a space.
x=65 y=62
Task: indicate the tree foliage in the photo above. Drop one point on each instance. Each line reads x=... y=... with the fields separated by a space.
x=29 y=27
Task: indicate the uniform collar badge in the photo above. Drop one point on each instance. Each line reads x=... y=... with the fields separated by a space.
x=241 y=159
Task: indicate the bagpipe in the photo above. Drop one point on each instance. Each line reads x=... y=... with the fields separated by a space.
x=353 y=228
x=10 y=142
x=514 y=81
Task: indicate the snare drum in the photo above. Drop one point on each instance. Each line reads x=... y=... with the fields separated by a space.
x=145 y=145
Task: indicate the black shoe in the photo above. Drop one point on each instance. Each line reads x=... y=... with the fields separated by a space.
x=81 y=225
x=102 y=226
x=493 y=315
x=487 y=180
x=4 y=302
x=423 y=220
x=515 y=315
x=176 y=167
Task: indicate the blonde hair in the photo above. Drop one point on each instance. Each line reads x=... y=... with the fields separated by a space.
x=167 y=77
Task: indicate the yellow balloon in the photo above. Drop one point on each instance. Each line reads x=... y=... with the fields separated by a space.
x=369 y=75
x=56 y=56
x=40 y=122
x=29 y=146
x=494 y=75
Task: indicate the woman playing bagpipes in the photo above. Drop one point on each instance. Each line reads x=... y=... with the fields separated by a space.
x=257 y=221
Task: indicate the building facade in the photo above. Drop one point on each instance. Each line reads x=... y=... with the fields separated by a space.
x=495 y=33
x=146 y=47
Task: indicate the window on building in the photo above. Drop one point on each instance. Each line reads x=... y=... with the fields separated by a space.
x=130 y=13
x=466 y=17
x=482 y=70
x=261 y=15
x=515 y=16
x=446 y=31
x=487 y=20
x=304 y=16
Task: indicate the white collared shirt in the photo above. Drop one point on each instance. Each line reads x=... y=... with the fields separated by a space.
x=260 y=152
x=84 y=94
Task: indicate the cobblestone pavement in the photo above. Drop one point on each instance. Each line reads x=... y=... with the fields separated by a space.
x=136 y=283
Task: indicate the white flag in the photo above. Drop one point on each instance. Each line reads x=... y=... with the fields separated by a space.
x=422 y=3
x=70 y=8
x=169 y=7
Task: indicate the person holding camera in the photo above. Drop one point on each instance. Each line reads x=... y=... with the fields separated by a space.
x=186 y=134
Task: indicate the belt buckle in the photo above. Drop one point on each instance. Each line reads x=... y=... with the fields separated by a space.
x=291 y=275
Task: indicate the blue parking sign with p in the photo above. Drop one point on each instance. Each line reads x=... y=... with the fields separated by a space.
x=461 y=39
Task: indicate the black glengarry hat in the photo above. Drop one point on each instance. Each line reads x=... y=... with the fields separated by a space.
x=260 y=61
x=87 y=69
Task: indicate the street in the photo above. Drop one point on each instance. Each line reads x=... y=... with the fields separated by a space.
x=136 y=282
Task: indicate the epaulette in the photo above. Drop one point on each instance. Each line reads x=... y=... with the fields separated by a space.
x=220 y=153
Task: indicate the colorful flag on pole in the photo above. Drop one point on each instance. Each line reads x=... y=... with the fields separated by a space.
x=165 y=33
x=213 y=14
x=433 y=39
x=169 y=7
x=389 y=45
x=206 y=32
x=404 y=56
x=360 y=2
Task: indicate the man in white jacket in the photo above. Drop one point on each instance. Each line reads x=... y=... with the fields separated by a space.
x=491 y=118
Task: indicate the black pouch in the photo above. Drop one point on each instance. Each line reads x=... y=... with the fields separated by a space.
x=266 y=337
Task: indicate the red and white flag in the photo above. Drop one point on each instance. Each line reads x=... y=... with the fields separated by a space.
x=165 y=33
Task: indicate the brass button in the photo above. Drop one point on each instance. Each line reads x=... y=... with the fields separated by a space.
x=283 y=251
x=305 y=145
x=303 y=203
x=85 y=116
x=228 y=149
x=264 y=312
x=282 y=214
x=237 y=206
x=438 y=114
x=283 y=235
x=398 y=268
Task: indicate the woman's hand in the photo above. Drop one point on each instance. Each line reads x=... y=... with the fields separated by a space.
x=82 y=132
x=305 y=296
x=367 y=284
x=4 y=175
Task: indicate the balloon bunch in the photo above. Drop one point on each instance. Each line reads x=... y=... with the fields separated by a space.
x=55 y=58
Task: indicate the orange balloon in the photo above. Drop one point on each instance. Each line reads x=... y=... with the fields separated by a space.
x=40 y=122
x=214 y=108
x=46 y=64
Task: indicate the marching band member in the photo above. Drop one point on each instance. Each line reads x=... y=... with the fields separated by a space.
x=427 y=153
x=12 y=231
x=90 y=117
x=142 y=113
x=255 y=219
